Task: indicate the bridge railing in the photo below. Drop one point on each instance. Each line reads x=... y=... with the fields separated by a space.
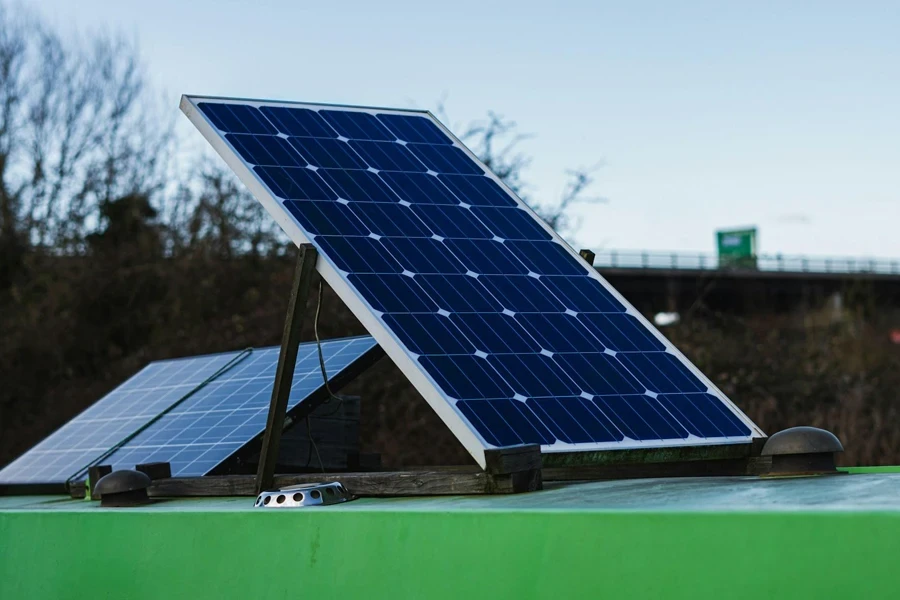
x=636 y=259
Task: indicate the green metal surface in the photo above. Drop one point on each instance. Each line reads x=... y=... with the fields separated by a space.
x=881 y=469
x=820 y=537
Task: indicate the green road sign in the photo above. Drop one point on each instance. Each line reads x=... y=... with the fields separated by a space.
x=737 y=248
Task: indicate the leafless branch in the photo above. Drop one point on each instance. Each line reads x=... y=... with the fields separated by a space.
x=497 y=141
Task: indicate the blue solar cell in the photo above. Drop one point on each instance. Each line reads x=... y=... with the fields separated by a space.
x=661 y=372
x=414 y=129
x=466 y=377
x=494 y=428
x=458 y=293
x=510 y=223
x=300 y=122
x=358 y=186
x=429 y=334
x=521 y=293
x=220 y=404
x=599 y=373
x=545 y=258
x=486 y=257
x=357 y=125
x=327 y=218
x=558 y=332
x=327 y=153
x=267 y=150
x=506 y=422
x=630 y=414
x=620 y=332
x=533 y=375
x=393 y=293
x=511 y=327
x=389 y=220
x=573 y=422
x=387 y=156
x=683 y=408
x=724 y=420
x=237 y=118
x=295 y=184
x=451 y=221
x=423 y=255
x=358 y=254
x=582 y=294
x=445 y=159
x=494 y=333
x=418 y=188
x=477 y=191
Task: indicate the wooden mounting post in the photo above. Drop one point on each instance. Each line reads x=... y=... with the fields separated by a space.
x=287 y=360
x=95 y=474
x=514 y=469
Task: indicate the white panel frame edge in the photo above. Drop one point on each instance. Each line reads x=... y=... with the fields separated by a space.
x=405 y=360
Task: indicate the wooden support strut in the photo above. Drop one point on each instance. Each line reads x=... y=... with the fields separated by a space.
x=287 y=360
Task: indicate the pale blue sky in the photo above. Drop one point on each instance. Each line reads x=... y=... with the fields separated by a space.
x=707 y=114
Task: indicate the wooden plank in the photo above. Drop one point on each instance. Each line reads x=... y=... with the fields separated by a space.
x=511 y=459
x=287 y=360
x=78 y=490
x=378 y=484
x=32 y=489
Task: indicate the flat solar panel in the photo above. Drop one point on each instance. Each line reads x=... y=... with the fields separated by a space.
x=508 y=334
x=204 y=429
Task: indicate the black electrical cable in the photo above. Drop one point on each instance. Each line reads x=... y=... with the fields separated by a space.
x=331 y=396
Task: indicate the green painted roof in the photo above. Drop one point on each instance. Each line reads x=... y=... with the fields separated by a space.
x=879 y=491
x=696 y=539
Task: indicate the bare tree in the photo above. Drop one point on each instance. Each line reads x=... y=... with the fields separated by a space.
x=497 y=142
x=215 y=214
x=76 y=131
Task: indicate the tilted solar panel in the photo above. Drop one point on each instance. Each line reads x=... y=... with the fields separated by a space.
x=206 y=428
x=507 y=333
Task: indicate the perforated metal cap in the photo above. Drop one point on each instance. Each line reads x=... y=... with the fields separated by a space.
x=299 y=496
x=123 y=488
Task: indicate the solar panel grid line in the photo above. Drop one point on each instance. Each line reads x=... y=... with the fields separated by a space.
x=193 y=444
x=348 y=217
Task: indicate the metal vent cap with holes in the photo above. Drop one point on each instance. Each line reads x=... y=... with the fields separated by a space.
x=299 y=496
